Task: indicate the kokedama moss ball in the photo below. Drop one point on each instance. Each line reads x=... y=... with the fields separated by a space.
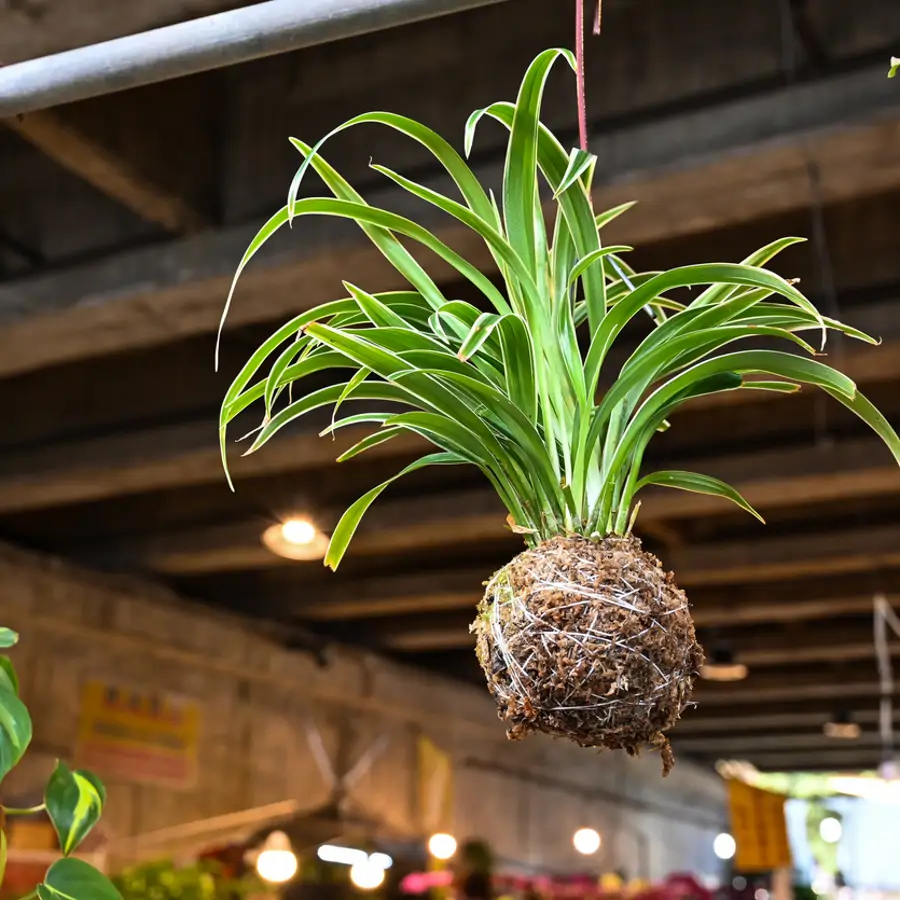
x=589 y=640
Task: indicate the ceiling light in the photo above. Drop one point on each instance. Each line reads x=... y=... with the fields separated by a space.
x=442 y=846
x=367 y=875
x=586 y=841
x=723 y=667
x=842 y=727
x=345 y=856
x=724 y=846
x=381 y=859
x=830 y=830
x=296 y=538
x=276 y=862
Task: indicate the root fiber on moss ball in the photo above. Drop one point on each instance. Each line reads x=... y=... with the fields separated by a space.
x=588 y=640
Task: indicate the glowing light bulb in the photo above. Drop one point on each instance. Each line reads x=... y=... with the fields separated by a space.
x=830 y=830
x=724 y=846
x=298 y=531
x=367 y=875
x=276 y=862
x=586 y=841
x=442 y=846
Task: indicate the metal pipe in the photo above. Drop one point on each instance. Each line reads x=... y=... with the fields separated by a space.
x=212 y=42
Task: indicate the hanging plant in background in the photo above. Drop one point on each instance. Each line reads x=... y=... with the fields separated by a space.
x=583 y=635
x=73 y=800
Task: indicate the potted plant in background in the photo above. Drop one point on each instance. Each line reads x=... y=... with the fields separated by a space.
x=73 y=800
x=584 y=634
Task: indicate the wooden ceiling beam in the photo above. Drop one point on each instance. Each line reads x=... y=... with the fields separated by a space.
x=668 y=165
x=770 y=480
x=738 y=746
x=145 y=152
x=774 y=557
x=732 y=722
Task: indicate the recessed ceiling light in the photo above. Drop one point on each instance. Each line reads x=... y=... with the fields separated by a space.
x=722 y=666
x=296 y=538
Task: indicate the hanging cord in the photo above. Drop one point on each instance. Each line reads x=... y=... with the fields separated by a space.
x=579 y=66
x=824 y=265
x=582 y=101
x=885 y=618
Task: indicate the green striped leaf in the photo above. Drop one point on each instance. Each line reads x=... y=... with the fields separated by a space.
x=74 y=879
x=15 y=730
x=74 y=802
x=8 y=638
x=349 y=522
x=697 y=484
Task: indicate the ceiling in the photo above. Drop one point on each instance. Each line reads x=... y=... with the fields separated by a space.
x=122 y=219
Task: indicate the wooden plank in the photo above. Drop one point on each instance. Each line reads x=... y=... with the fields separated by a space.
x=163 y=458
x=750 y=744
x=786 y=556
x=65 y=316
x=143 y=151
x=771 y=722
x=770 y=480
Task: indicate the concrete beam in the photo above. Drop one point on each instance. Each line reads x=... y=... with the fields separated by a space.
x=746 y=147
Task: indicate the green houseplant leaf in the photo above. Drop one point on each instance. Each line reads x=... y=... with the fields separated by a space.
x=8 y=677
x=8 y=638
x=521 y=383
x=74 y=802
x=74 y=879
x=15 y=730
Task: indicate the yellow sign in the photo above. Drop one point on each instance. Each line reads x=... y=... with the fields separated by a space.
x=759 y=828
x=140 y=736
x=435 y=786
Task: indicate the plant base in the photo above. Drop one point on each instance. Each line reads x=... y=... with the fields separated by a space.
x=588 y=640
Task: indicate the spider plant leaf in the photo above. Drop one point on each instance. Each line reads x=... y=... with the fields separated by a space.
x=371 y=440
x=603 y=219
x=717 y=292
x=520 y=193
x=685 y=276
x=698 y=484
x=579 y=163
x=518 y=364
x=769 y=362
x=863 y=408
x=781 y=387
x=374 y=390
x=584 y=264
x=469 y=186
x=349 y=521
x=393 y=250
x=358 y=378
x=363 y=213
x=575 y=205
x=366 y=418
x=498 y=245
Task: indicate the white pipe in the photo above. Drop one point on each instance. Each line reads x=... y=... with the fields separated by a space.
x=198 y=45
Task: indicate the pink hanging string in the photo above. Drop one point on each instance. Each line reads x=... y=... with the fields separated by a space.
x=579 y=68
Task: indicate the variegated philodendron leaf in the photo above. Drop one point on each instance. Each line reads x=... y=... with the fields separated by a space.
x=74 y=803
x=73 y=879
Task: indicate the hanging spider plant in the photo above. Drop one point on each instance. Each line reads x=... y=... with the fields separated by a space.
x=583 y=634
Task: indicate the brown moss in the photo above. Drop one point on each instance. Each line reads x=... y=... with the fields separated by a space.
x=588 y=640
